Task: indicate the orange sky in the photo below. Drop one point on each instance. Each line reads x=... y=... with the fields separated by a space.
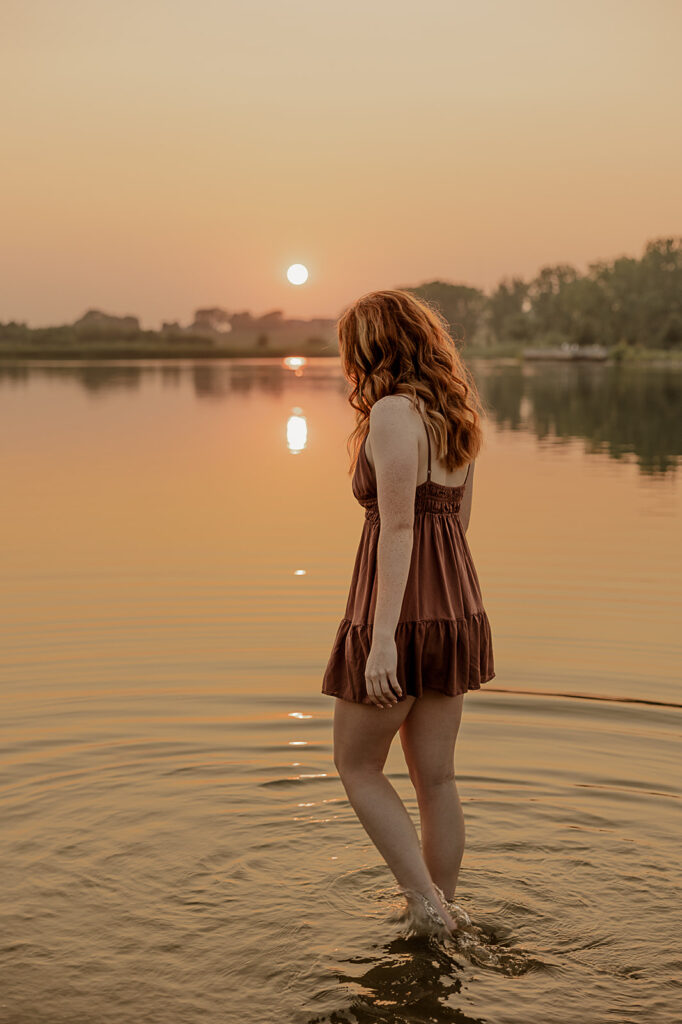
x=168 y=154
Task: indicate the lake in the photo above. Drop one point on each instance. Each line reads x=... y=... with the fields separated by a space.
x=177 y=846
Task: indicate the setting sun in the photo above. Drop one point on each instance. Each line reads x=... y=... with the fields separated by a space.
x=297 y=273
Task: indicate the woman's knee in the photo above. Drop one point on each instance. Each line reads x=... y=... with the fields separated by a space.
x=428 y=738
x=429 y=778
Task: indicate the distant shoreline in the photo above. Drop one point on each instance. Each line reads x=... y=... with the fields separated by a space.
x=204 y=349
x=128 y=350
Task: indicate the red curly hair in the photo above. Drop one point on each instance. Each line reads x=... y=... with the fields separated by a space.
x=392 y=343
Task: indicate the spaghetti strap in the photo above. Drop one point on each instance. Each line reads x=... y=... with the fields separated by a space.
x=428 y=441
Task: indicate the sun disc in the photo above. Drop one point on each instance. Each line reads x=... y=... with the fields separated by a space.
x=297 y=273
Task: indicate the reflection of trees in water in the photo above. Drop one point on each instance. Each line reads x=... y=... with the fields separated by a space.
x=501 y=389
x=617 y=410
x=214 y=380
x=209 y=379
x=92 y=377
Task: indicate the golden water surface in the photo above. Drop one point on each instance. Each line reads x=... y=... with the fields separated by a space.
x=178 y=539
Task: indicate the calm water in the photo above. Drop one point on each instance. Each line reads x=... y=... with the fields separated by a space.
x=176 y=844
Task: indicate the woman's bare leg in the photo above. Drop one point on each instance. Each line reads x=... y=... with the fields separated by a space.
x=428 y=737
x=362 y=739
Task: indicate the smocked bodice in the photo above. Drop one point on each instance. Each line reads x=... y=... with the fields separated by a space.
x=430 y=497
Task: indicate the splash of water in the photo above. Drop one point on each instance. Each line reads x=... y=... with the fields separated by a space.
x=474 y=943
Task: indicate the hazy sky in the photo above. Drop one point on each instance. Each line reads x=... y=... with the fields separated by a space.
x=161 y=155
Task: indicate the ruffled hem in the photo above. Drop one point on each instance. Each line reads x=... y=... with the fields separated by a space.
x=452 y=656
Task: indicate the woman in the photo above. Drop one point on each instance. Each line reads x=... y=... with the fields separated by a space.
x=415 y=636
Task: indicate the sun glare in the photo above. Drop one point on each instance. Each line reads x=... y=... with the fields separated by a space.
x=297 y=273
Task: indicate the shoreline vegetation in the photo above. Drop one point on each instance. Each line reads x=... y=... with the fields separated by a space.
x=130 y=350
x=624 y=311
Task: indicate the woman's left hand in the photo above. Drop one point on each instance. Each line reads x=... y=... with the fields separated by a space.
x=380 y=673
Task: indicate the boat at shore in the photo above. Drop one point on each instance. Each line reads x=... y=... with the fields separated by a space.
x=568 y=352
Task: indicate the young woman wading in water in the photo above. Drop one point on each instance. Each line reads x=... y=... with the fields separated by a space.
x=415 y=636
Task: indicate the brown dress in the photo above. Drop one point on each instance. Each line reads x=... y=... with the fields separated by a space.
x=443 y=634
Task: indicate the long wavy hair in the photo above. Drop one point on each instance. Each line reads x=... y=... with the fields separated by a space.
x=393 y=343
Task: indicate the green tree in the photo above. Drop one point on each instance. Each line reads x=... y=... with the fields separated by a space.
x=508 y=310
x=550 y=300
x=461 y=305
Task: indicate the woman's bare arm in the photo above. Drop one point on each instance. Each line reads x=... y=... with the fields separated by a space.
x=395 y=451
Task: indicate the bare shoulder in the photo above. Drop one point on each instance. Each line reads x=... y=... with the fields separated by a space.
x=392 y=412
x=392 y=428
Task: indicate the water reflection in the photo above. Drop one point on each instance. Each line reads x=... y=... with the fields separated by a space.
x=617 y=410
x=208 y=378
x=168 y=598
x=295 y=363
x=297 y=431
x=416 y=980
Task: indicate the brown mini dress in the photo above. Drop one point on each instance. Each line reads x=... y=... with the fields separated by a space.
x=443 y=634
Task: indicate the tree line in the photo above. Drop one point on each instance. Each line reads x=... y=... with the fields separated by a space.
x=622 y=302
